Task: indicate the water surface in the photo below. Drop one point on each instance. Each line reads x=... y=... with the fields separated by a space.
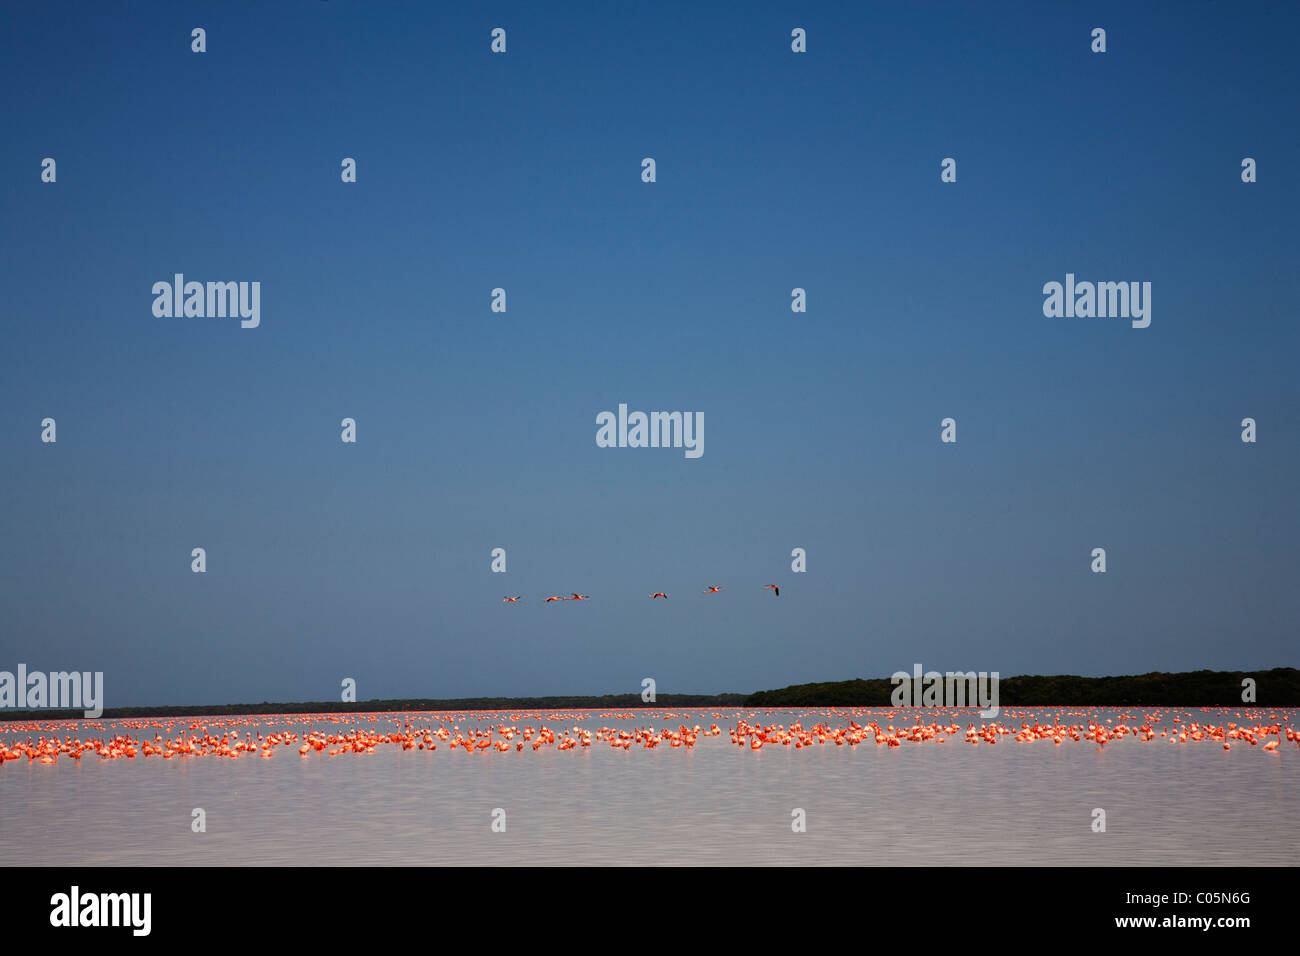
x=717 y=803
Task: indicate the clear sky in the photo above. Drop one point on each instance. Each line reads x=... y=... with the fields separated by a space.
x=476 y=430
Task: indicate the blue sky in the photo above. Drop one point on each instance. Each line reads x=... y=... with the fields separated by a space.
x=477 y=430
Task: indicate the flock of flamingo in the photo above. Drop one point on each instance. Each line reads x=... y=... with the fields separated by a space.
x=233 y=737
x=658 y=594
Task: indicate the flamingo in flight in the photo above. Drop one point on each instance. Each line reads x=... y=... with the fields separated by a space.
x=576 y=597
x=659 y=594
x=511 y=600
x=775 y=590
x=711 y=590
x=553 y=597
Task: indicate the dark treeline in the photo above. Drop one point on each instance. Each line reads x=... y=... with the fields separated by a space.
x=458 y=705
x=1279 y=687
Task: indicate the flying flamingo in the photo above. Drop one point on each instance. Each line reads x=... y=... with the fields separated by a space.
x=775 y=590
x=576 y=597
x=554 y=597
x=711 y=590
x=511 y=600
x=659 y=594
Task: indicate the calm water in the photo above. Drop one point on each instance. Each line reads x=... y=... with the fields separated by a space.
x=929 y=803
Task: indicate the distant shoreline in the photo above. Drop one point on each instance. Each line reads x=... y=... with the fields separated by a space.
x=1278 y=687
